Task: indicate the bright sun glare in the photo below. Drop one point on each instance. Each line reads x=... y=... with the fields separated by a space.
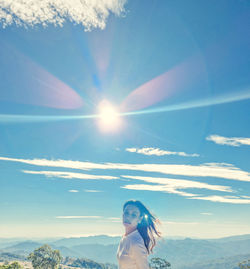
x=109 y=119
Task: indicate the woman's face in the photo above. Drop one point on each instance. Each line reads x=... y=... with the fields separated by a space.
x=131 y=216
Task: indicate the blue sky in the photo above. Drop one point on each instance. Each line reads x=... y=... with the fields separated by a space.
x=123 y=100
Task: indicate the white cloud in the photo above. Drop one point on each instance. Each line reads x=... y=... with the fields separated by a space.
x=170 y=185
x=110 y=219
x=177 y=222
x=68 y=175
x=181 y=183
x=223 y=199
x=230 y=141
x=206 y=213
x=159 y=152
x=78 y=217
x=244 y=196
x=73 y=191
x=161 y=188
x=96 y=218
x=92 y=191
x=203 y=170
x=175 y=186
x=89 y=13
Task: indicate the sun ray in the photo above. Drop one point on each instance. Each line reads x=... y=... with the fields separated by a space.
x=217 y=100
x=222 y=99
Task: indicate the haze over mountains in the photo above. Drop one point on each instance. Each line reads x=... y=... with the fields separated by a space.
x=181 y=253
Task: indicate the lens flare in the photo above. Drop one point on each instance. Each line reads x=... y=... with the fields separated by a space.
x=109 y=119
x=31 y=84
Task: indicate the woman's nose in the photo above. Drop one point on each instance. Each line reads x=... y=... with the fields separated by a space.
x=127 y=217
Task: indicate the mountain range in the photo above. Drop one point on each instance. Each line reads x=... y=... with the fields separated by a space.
x=181 y=253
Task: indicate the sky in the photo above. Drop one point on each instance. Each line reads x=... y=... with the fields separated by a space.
x=106 y=101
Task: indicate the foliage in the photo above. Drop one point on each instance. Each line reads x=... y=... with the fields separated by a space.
x=244 y=265
x=45 y=258
x=159 y=263
x=11 y=256
x=14 y=265
x=110 y=266
x=85 y=263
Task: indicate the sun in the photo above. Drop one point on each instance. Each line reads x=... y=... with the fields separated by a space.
x=109 y=119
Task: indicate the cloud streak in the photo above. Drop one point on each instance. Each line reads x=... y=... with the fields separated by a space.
x=89 y=13
x=223 y=199
x=92 y=218
x=225 y=171
x=160 y=188
x=175 y=186
x=181 y=183
x=158 y=152
x=92 y=191
x=160 y=184
x=78 y=217
x=229 y=141
x=68 y=175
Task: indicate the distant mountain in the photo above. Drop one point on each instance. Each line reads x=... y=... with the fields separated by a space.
x=23 y=248
x=97 y=252
x=67 y=251
x=26 y=247
x=5 y=242
x=181 y=253
x=5 y=256
x=232 y=238
x=222 y=263
x=190 y=251
x=98 y=239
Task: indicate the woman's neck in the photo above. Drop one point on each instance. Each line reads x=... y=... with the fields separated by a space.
x=129 y=230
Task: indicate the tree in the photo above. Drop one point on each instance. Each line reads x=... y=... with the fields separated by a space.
x=14 y=265
x=86 y=263
x=244 y=264
x=45 y=258
x=158 y=263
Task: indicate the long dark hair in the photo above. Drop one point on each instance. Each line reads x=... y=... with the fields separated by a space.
x=147 y=227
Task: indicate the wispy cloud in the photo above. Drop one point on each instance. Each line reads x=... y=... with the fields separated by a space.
x=245 y=196
x=217 y=170
x=78 y=217
x=160 y=188
x=161 y=184
x=223 y=199
x=206 y=213
x=159 y=152
x=170 y=185
x=73 y=191
x=92 y=191
x=96 y=218
x=177 y=222
x=229 y=141
x=114 y=218
x=181 y=183
x=109 y=220
x=68 y=175
x=89 y=13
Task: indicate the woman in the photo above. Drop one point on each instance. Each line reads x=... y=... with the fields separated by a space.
x=139 y=238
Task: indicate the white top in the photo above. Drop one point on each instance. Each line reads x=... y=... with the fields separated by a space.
x=132 y=253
